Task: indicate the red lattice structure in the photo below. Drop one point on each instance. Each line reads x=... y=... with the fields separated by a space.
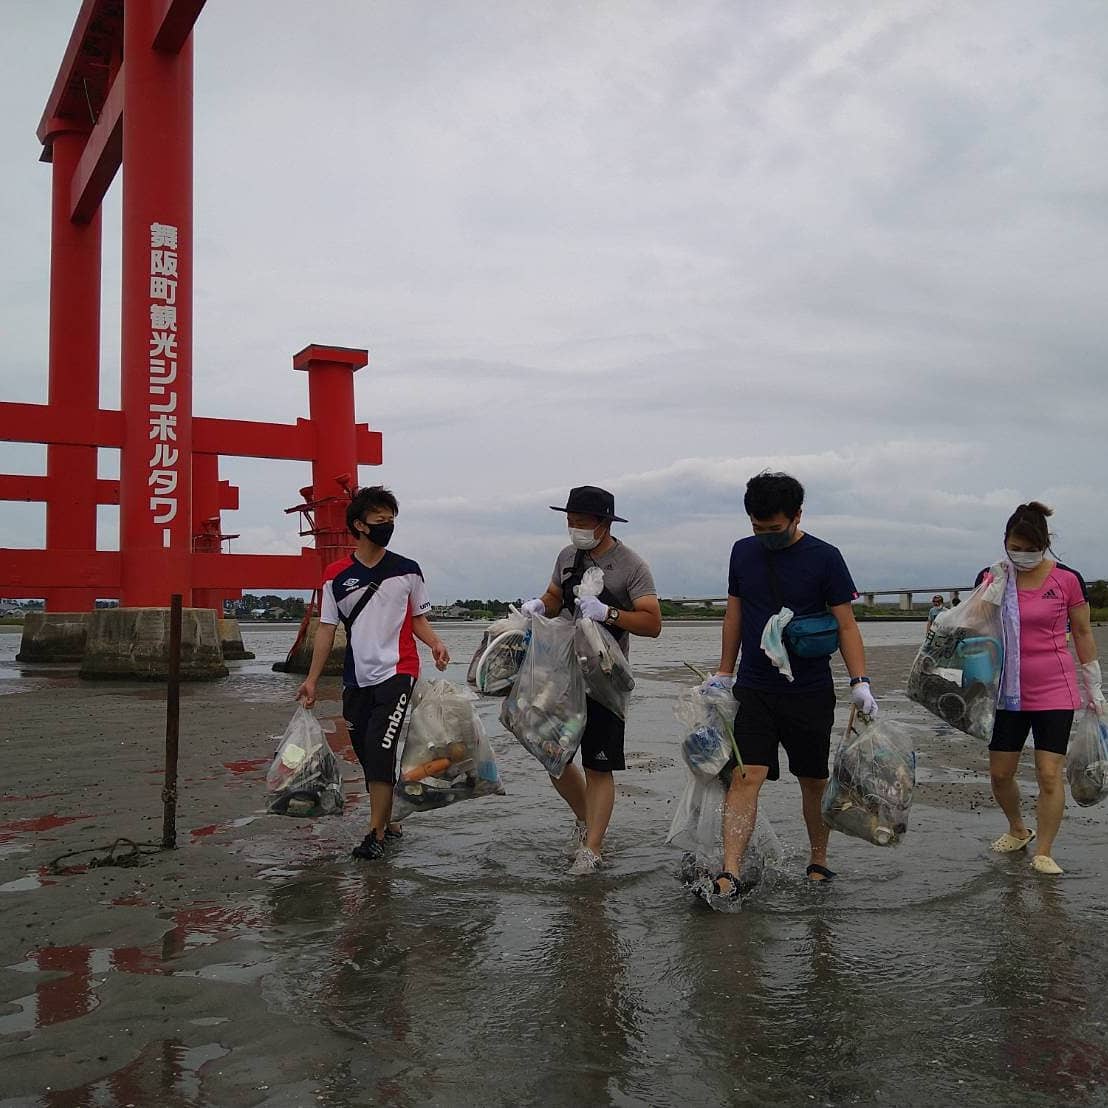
x=123 y=101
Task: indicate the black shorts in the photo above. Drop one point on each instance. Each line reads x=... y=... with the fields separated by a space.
x=375 y=716
x=801 y=722
x=602 y=742
x=1051 y=730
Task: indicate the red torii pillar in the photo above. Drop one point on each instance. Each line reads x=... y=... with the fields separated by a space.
x=155 y=506
x=74 y=363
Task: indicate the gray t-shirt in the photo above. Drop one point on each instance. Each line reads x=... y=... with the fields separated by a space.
x=626 y=576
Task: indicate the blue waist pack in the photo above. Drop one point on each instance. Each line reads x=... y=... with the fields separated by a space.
x=812 y=636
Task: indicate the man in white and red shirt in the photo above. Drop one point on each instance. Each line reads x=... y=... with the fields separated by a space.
x=381 y=599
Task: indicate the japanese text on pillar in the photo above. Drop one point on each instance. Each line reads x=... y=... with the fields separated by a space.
x=163 y=375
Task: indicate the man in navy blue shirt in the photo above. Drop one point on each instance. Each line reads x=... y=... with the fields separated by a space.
x=780 y=566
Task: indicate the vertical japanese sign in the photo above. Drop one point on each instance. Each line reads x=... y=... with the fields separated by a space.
x=163 y=475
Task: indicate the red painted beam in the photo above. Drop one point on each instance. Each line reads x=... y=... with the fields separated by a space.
x=177 y=24
x=31 y=572
x=55 y=103
x=18 y=486
x=256 y=571
x=68 y=426
x=233 y=438
x=228 y=497
x=102 y=157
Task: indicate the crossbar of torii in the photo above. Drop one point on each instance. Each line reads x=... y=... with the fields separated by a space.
x=123 y=99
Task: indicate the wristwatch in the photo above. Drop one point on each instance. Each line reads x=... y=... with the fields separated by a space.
x=858 y=680
x=610 y=620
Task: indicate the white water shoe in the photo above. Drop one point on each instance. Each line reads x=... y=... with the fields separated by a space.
x=1041 y=863
x=1009 y=844
x=576 y=838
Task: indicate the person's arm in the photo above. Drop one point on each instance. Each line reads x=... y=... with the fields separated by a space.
x=1081 y=626
x=732 y=636
x=850 y=640
x=422 y=629
x=321 y=651
x=644 y=619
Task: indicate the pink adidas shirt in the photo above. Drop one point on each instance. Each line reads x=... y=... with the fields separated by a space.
x=1048 y=676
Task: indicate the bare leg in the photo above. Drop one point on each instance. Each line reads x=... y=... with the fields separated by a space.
x=811 y=795
x=600 y=799
x=1006 y=791
x=740 y=810
x=571 y=788
x=1052 y=798
x=380 y=807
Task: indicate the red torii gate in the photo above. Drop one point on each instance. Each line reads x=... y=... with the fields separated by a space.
x=123 y=98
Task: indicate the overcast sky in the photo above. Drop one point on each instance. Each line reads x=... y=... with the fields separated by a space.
x=652 y=246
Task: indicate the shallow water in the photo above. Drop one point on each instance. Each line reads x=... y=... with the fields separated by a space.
x=471 y=967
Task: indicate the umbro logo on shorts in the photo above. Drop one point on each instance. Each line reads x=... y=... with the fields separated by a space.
x=395 y=720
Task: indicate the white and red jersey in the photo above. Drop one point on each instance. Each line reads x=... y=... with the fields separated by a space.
x=380 y=644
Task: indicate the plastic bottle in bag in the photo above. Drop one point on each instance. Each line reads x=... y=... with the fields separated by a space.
x=1087 y=759
x=869 y=793
x=707 y=715
x=446 y=756
x=545 y=709
x=956 y=673
x=608 y=678
x=304 y=778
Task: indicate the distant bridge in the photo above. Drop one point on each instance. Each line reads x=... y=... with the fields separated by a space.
x=868 y=596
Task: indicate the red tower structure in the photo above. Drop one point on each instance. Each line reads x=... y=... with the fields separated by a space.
x=123 y=98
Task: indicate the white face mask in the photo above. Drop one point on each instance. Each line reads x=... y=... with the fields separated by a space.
x=583 y=538
x=1026 y=559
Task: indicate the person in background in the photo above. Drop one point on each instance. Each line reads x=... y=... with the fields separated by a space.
x=936 y=609
x=1041 y=694
x=381 y=600
x=627 y=606
x=782 y=566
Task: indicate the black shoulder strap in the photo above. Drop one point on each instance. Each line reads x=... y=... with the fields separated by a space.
x=363 y=600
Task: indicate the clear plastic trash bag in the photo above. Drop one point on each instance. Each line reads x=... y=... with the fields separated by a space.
x=545 y=709
x=607 y=672
x=708 y=716
x=873 y=776
x=446 y=755
x=504 y=647
x=305 y=777
x=957 y=671
x=1087 y=759
x=697 y=828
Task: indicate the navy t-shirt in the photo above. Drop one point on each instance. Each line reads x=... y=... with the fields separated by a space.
x=811 y=577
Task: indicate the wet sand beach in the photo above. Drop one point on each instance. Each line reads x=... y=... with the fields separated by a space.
x=259 y=965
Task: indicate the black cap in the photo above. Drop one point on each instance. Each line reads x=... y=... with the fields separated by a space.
x=588 y=500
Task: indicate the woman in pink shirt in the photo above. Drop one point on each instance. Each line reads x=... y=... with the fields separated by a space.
x=1051 y=597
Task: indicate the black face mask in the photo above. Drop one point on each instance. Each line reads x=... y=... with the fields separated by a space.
x=379 y=533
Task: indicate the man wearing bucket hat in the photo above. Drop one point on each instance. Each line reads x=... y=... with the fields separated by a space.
x=627 y=606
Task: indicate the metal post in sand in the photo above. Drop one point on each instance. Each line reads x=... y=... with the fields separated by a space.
x=172 y=725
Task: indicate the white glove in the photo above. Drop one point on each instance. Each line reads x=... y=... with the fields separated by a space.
x=862 y=699
x=592 y=607
x=1090 y=677
x=534 y=607
x=724 y=681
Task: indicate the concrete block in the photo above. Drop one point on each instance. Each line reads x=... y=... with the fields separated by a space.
x=133 y=644
x=53 y=637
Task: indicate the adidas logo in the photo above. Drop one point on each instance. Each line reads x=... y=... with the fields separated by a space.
x=1050 y=594
x=602 y=757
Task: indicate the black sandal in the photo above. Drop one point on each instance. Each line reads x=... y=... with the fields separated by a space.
x=734 y=892
x=823 y=871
